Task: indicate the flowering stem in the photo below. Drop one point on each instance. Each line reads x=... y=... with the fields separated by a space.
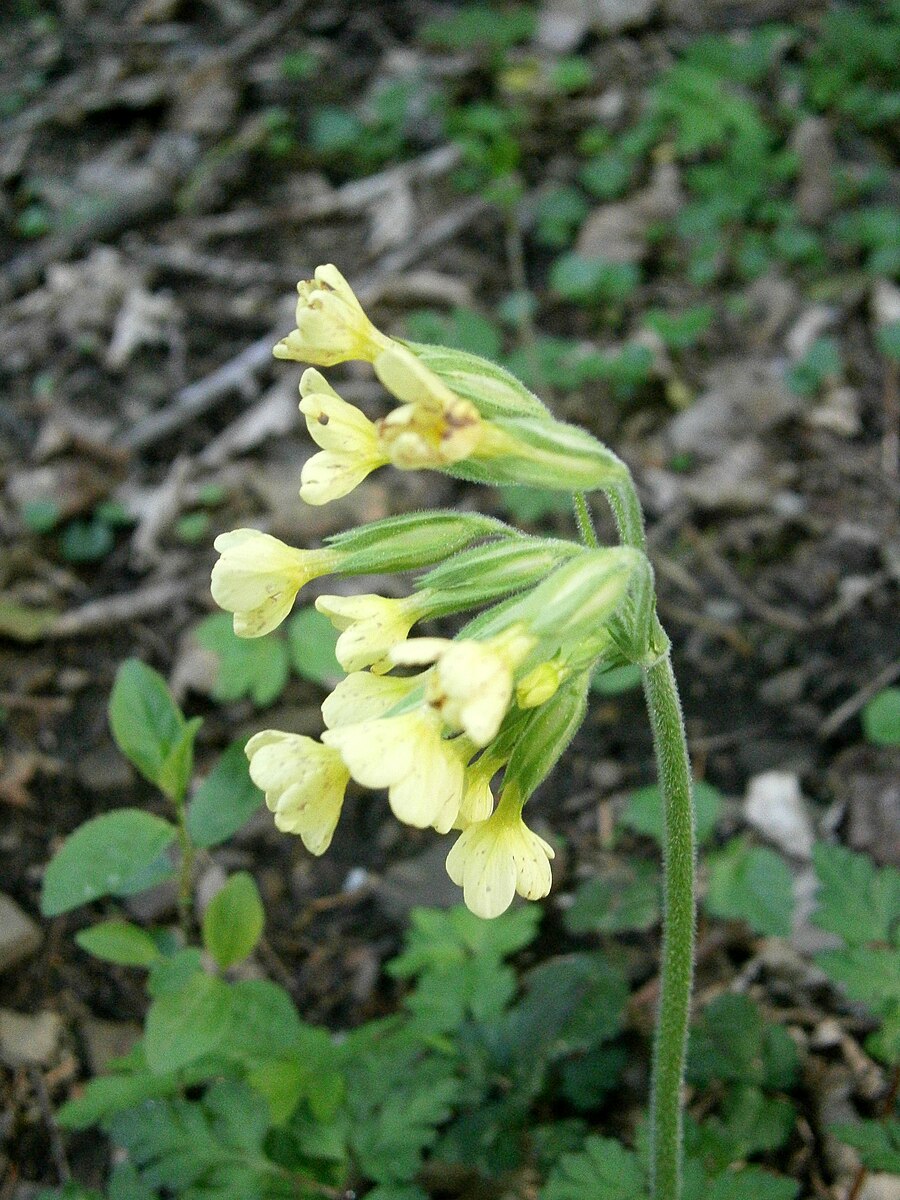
x=676 y=973
x=585 y=524
x=679 y=903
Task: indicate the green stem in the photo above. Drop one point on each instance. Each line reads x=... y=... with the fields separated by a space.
x=585 y=524
x=676 y=973
x=186 y=870
x=679 y=904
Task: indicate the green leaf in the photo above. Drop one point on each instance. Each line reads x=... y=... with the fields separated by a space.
x=110 y=1094
x=119 y=942
x=752 y=884
x=878 y=1143
x=681 y=330
x=146 y=722
x=626 y=898
x=870 y=976
x=614 y=681
x=751 y=1183
x=175 y=773
x=644 y=811
x=731 y=1043
x=101 y=857
x=750 y=1123
x=604 y=1170
x=224 y=801
x=254 y=667
x=881 y=718
x=86 y=541
x=856 y=901
x=200 y=1149
x=234 y=920
x=311 y=641
x=593 y=280
x=22 y=622
x=185 y=1024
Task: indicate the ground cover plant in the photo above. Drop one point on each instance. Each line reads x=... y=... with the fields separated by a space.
x=682 y=235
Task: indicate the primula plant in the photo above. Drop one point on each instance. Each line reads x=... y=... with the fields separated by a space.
x=438 y=722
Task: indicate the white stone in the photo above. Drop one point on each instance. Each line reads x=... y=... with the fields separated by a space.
x=26 y=1040
x=20 y=937
x=881 y=1187
x=775 y=807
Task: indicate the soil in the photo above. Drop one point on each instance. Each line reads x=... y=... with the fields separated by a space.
x=145 y=135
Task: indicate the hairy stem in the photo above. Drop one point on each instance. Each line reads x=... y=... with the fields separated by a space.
x=585 y=524
x=676 y=973
x=679 y=903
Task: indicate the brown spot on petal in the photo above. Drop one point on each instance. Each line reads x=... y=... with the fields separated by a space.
x=323 y=418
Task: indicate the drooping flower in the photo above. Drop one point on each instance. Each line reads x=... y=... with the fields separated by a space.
x=478 y=800
x=370 y=626
x=257 y=578
x=472 y=684
x=407 y=755
x=363 y=696
x=331 y=325
x=304 y=783
x=350 y=443
x=433 y=427
x=493 y=859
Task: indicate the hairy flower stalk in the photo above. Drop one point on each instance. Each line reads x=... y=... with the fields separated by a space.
x=443 y=725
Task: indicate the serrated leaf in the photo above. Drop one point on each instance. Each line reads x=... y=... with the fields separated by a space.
x=312 y=639
x=254 y=667
x=643 y=812
x=752 y=1183
x=604 y=1170
x=119 y=942
x=146 y=722
x=869 y=975
x=110 y=1094
x=752 y=884
x=731 y=1043
x=234 y=920
x=224 y=801
x=218 y=1140
x=627 y=897
x=184 y=1024
x=856 y=900
x=878 y=1143
x=438 y=938
x=101 y=857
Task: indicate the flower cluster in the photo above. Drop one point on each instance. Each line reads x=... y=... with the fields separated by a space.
x=434 y=721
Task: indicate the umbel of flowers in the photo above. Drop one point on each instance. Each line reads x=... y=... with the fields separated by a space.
x=459 y=732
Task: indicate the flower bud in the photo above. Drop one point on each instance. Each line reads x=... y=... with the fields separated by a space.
x=410 y=541
x=493 y=390
x=542 y=453
x=546 y=735
x=536 y=688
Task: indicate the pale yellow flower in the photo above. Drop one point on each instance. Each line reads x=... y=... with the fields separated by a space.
x=257 y=578
x=433 y=427
x=350 y=443
x=331 y=324
x=407 y=755
x=370 y=626
x=478 y=800
x=472 y=685
x=363 y=696
x=493 y=859
x=304 y=783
